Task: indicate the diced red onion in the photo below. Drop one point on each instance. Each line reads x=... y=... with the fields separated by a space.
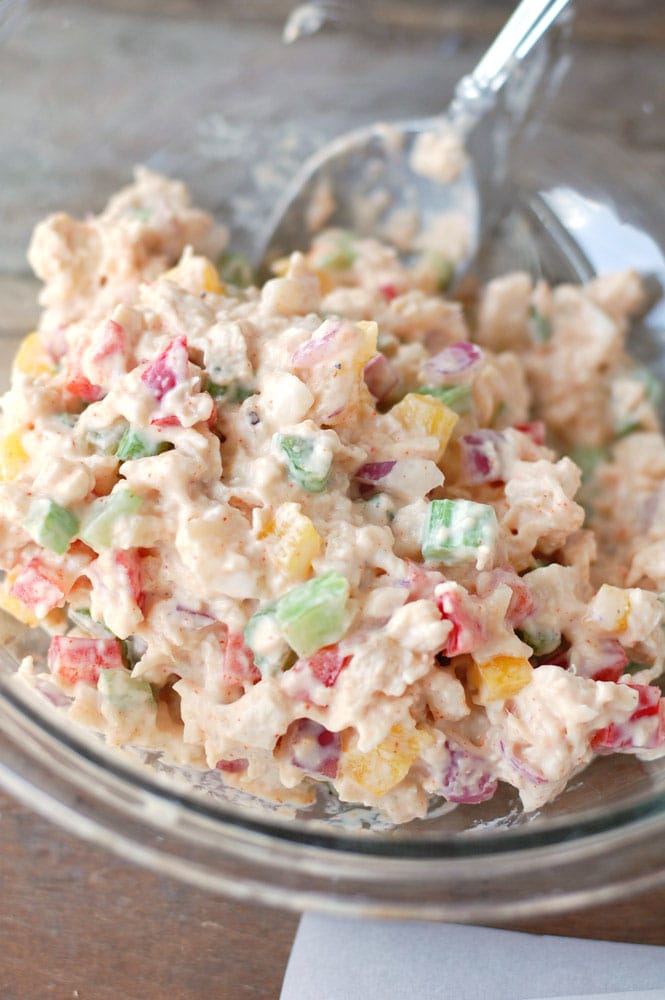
x=194 y=619
x=522 y=768
x=52 y=693
x=481 y=459
x=380 y=376
x=410 y=478
x=232 y=766
x=374 y=472
x=313 y=747
x=455 y=360
x=314 y=350
x=466 y=779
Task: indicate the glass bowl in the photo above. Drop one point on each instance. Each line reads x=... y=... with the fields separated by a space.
x=211 y=94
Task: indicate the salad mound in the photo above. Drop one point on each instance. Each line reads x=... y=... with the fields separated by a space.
x=344 y=528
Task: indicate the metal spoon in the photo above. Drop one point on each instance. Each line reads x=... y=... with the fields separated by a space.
x=365 y=180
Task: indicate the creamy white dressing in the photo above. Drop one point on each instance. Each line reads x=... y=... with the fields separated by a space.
x=255 y=455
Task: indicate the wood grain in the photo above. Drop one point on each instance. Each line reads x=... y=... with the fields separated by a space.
x=77 y=923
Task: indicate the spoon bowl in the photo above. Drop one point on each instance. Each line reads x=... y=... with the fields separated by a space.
x=409 y=182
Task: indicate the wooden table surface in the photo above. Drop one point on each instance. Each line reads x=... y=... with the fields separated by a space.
x=77 y=922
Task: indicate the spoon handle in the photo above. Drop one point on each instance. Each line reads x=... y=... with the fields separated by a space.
x=475 y=93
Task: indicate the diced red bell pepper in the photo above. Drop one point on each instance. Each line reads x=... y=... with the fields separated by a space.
x=239 y=666
x=112 y=341
x=644 y=730
x=613 y=659
x=130 y=561
x=649 y=700
x=327 y=664
x=170 y=368
x=535 y=430
x=73 y=659
x=37 y=589
x=389 y=291
x=78 y=385
x=421 y=582
x=465 y=616
x=521 y=603
x=170 y=421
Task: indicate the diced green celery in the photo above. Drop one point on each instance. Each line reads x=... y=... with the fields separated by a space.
x=139 y=212
x=635 y=667
x=97 y=528
x=51 y=525
x=380 y=508
x=139 y=444
x=456 y=397
x=653 y=390
x=541 y=640
x=270 y=650
x=440 y=267
x=232 y=392
x=106 y=439
x=235 y=270
x=308 y=461
x=123 y=692
x=336 y=250
x=67 y=419
x=652 y=384
x=540 y=326
x=458 y=531
x=84 y=620
x=587 y=457
x=133 y=649
x=312 y=615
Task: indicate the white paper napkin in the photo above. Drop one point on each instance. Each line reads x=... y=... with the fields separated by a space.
x=335 y=958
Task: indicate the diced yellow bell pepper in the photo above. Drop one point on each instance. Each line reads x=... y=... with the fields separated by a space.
x=326 y=283
x=211 y=282
x=32 y=357
x=280 y=266
x=610 y=609
x=196 y=274
x=367 y=347
x=388 y=763
x=296 y=541
x=17 y=609
x=499 y=678
x=13 y=457
x=426 y=415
